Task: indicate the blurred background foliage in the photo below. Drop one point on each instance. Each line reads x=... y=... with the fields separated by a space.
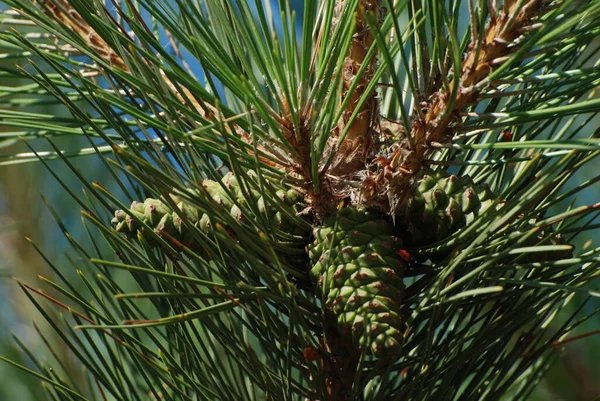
x=27 y=188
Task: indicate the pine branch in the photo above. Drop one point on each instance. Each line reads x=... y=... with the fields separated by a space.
x=488 y=53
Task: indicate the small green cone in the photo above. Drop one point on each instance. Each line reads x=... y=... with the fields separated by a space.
x=441 y=205
x=360 y=279
x=168 y=223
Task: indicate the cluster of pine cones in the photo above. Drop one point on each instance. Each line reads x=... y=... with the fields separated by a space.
x=357 y=257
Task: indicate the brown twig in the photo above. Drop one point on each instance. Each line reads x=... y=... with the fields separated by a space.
x=339 y=366
x=61 y=10
x=357 y=74
x=362 y=41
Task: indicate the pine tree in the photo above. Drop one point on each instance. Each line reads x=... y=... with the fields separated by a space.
x=376 y=201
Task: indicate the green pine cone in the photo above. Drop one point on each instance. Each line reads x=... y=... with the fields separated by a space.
x=359 y=277
x=167 y=223
x=441 y=205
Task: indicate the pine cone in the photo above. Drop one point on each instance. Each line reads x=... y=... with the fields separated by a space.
x=441 y=205
x=167 y=223
x=444 y=203
x=359 y=277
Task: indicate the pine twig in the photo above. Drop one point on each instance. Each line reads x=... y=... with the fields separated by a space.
x=445 y=106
